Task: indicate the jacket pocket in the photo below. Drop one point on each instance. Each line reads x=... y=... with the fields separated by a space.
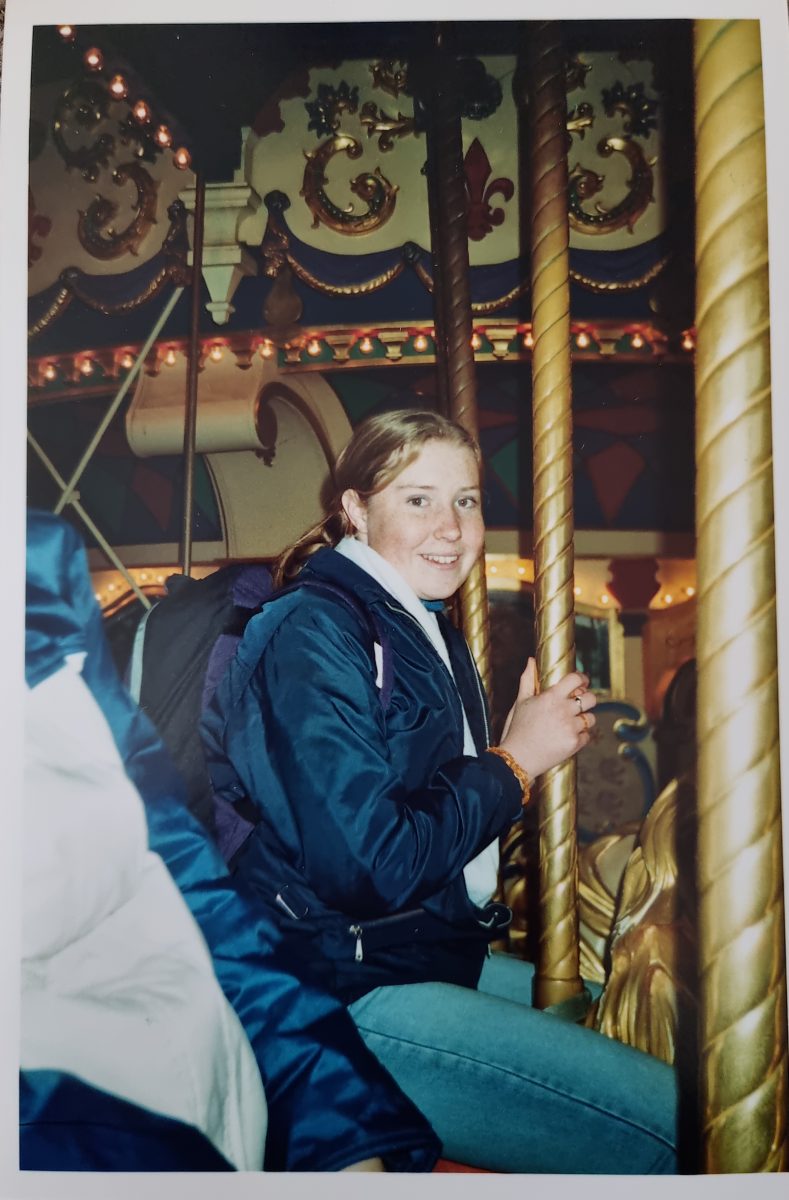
x=417 y=925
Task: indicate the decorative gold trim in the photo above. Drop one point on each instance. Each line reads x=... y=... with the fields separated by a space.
x=58 y=305
x=82 y=108
x=620 y=285
x=350 y=289
x=174 y=271
x=170 y=272
x=486 y=307
x=371 y=186
x=585 y=183
x=390 y=75
x=376 y=121
x=483 y=308
x=94 y=230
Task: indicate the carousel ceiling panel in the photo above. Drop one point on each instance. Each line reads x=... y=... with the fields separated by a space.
x=348 y=152
x=99 y=186
x=331 y=126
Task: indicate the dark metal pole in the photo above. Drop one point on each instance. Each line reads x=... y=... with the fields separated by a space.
x=447 y=195
x=190 y=415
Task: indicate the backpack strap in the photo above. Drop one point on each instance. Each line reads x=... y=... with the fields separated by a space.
x=366 y=617
x=235 y=815
x=135 y=661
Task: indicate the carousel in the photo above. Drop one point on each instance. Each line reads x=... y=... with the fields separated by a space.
x=244 y=239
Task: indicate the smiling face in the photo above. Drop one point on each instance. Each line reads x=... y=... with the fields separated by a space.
x=427 y=521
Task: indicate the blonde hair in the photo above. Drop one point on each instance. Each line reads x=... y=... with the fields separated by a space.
x=380 y=448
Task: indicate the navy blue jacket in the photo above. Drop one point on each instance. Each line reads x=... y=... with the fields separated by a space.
x=330 y=1102
x=367 y=817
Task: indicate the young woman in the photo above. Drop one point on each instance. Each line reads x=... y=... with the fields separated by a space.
x=354 y=718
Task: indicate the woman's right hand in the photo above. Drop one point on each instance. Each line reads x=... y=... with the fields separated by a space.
x=542 y=730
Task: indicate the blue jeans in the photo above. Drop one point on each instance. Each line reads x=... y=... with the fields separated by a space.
x=512 y=1089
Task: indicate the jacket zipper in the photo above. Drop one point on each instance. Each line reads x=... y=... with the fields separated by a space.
x=357 y=931
x=475 y=673
x=404 y=612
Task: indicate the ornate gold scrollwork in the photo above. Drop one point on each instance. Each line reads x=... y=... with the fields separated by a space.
x=81 y=109
x=376 y=121
x=575 y=72
x=96 y=233
x=580 y=119
x=390 y=75
x=585 y=183
x=371 y=187
x=174 y=271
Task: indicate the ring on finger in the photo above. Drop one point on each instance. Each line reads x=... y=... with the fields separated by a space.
x=580 y=704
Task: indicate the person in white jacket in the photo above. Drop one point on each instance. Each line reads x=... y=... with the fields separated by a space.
x=162 y=1026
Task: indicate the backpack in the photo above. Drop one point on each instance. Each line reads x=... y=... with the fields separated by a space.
x=182 y=648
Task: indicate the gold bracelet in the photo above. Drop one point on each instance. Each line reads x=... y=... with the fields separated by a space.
x=517 y=770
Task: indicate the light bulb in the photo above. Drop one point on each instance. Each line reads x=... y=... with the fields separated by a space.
x=118 y=87
x=313 y=347
x=582 y=340
x=216 y=353
x=182 y=159
x=266 y=350
x=142 y=112
x=420 y=342
x=93 y=59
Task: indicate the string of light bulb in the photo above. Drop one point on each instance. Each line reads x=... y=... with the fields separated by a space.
x=118 y=88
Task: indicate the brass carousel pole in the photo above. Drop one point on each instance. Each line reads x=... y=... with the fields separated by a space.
x=743 y=1032
x=557 y=979
x=447 y=195
x=192 y=371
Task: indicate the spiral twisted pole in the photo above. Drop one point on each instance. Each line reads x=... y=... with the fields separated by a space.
x=447 y=195
x=743 y=1033
x=558 y=977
